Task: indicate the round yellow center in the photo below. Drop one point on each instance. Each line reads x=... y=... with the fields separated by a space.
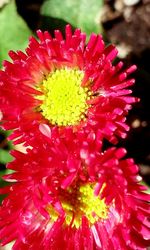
x=64 y=99
x=78 y=202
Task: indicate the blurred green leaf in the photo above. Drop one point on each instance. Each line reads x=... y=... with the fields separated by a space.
x=4 y=183
x=79 y=13
x=14 y=32
x=5 y=156
x=5 y=132
x=5 y=146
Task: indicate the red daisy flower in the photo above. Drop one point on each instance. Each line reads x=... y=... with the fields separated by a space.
x=61 y=83
x=73 y=199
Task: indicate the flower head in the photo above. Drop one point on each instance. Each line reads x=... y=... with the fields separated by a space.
x=73 y=199
x=61 y=83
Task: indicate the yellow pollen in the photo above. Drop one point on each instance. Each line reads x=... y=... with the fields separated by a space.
x=64 y=99
x=78 y=202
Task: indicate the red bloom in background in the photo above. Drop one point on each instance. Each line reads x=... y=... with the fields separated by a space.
x=70 y=198
x=60 y=83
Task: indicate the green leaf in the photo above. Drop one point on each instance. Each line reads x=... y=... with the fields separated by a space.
x=14 y=32
x=4 y=183
x=5 y=132
x=5 y=156
x=3 y=139
x=79 y=13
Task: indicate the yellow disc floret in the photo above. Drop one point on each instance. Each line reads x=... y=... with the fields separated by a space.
x=79 y=202
x=64 y=99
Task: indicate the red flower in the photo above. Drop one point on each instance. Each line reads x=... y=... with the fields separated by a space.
x=61 y=83
x=71 y=198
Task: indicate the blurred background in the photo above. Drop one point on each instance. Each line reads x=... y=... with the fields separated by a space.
x=125 y=23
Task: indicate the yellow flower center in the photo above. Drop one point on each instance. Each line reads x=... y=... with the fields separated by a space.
x=78 y=202
x=64 y=99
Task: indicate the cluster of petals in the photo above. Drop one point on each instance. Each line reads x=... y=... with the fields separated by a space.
x=59 y=159
x=19 y=78
x=38 y=181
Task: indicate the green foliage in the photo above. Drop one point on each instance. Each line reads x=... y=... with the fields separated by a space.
x=5 y=147
x=5 y=156
x=14 y=32
x=79 y=13
x=2 y=182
